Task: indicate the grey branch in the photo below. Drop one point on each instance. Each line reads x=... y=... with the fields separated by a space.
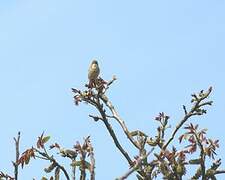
x=118 y=119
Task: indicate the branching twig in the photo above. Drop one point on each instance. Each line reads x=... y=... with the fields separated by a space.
x=15 y=164
x=6 y=176
x=94 y=100
x=176 y=129
x=113 y=135
x=51 y=159
x=96 y=118
x=119 y=119
x=195 y=110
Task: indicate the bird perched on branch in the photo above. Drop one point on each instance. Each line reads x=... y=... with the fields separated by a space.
x=93 y=73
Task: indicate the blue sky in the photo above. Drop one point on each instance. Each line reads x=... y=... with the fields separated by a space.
x=161 y=52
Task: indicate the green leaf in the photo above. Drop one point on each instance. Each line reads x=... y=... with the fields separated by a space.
x=45 y=139
x=75 y=163
x=44 y=178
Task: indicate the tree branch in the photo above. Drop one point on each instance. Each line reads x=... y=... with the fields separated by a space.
x=118 y=119
x=113 y=135
x=93 y=99
x=92 y=168
x=195 y=110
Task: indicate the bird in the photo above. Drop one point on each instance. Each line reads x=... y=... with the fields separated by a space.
x=93 y=72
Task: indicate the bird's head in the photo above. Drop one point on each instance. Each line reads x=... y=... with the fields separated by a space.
x=94 y=62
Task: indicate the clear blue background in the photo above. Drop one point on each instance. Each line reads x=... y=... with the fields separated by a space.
x=161 y=52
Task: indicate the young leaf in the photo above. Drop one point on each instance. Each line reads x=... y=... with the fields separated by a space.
x=45 y=139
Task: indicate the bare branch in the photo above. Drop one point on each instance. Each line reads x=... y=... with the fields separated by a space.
x=94 y=99
x=15 y=164
x=185 y=110
x=186 y=117
x=96 y=118
x=113 y=135
x=220 y=172
x=119 y=119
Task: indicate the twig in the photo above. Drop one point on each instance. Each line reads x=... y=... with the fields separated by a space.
x=186 y=117
x=15 y=164
x=192 y=112
x=113 y=135
x=40 y=157
x=92 y=168
x=185 y=110
x=119 y=119
x=109 y=83
x=96 y=118
x=6 y=176
x=219 y=172
x=96 y=103
x=51 y=159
